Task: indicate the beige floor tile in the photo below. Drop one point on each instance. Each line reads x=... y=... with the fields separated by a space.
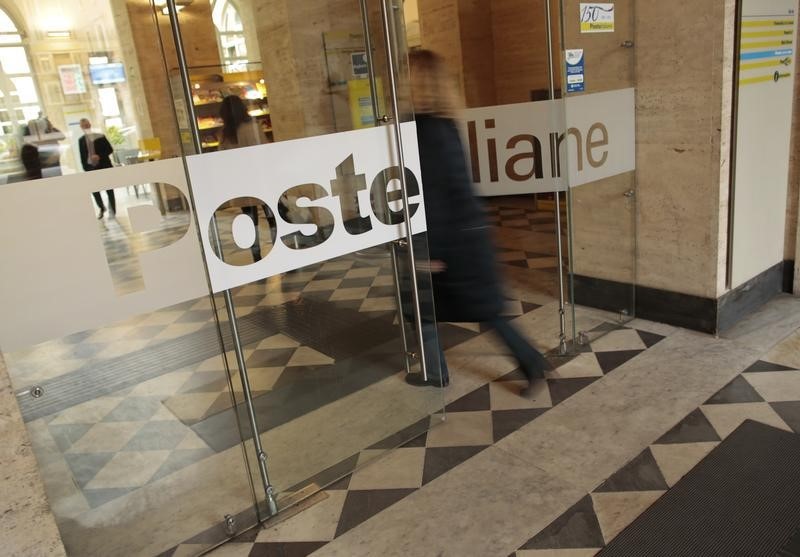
x=398 y=469
x=677 y=459
x=278 y=298
x=336 y=266
x=776 y=386
x=305 y=356
x=191 y=441
x=262 y=378
x=322 y=285
x=652 y=327
x=106 y=437
x=385 y=303
x=177 y=330
x=128 y=469
x=189 y=550
x=505 y=395
x=615 y=511
x=584 y=365
x=162 y=317
x=362 y=273
x=624 y=339
x=462 y=429
x=344 y=294
x=727 y=417
x=191 y=406
x=474 y=327
x=166 y=385
x=383 y=280
x=89 y=412
x=121 y=347
x=317 y=523
x=278 y=341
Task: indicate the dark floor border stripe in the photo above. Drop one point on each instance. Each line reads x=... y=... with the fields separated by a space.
x=708 y=315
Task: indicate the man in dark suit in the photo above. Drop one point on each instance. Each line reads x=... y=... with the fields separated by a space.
x=96 y=153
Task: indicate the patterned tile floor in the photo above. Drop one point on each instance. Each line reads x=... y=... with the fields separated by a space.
x=473 y=423
x=768 y=391
x=140 y=400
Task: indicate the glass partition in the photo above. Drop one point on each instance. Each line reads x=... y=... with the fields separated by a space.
x=324 y=343
x=109 y=329
x=598 y=58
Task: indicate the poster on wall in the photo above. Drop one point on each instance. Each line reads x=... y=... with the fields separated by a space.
x=360 y=100
x=576 y=82
x=597 y=17
x=765 y=96
x=358 y=62
x=72 y=81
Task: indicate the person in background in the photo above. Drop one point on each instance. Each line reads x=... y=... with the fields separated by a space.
x=96 y=150
x=31 y=161
x=239 y=129
x=466 y=281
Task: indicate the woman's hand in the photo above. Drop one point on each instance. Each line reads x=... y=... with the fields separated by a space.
x=433 y=266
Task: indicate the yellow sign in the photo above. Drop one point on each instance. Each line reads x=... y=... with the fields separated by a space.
x=596 y=17
x=360 y=96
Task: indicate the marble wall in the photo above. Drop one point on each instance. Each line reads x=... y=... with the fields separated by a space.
x=792 y=245
x=679 y=144
x=28 y=527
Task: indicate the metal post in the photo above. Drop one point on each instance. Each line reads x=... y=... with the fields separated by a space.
x=373 y=88
x=228 y=295
x=562 y=312
x=398 y=137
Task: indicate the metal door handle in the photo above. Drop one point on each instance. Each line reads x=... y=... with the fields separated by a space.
x=626 y=44
x=629 y=193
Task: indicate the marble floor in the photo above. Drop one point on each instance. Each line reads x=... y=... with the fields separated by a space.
x=143 y=413
x=607 y=434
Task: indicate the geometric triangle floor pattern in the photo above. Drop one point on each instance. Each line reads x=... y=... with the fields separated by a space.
x=765 y=392
x=474 y=422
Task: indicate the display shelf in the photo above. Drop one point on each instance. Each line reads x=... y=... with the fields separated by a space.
x=208 y=91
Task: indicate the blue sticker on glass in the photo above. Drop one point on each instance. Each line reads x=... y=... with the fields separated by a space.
x=575 y=75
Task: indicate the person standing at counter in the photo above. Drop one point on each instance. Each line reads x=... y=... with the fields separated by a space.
x=96 y=153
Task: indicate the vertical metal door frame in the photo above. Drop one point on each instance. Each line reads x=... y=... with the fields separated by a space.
x=562 y=310
x=391 y=57
x=373 y=90
x=230 y=307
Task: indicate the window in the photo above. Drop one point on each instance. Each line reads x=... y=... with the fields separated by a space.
x=19 y=101
x=230 y=35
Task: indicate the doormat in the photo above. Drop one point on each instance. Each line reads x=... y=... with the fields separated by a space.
x=743 y=499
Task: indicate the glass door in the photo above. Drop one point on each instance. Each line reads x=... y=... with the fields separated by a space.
x=597 y=59
x=109 y=329
x=303 y=208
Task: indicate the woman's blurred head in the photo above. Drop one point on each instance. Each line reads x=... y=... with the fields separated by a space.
x=433 y=87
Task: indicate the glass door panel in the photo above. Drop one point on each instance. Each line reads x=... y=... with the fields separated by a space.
x=109 y=329
x=598 y=54
x=319 y=325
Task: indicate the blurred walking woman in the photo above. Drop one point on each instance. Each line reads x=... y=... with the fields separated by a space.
x=466 y=283
x=239 y=129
